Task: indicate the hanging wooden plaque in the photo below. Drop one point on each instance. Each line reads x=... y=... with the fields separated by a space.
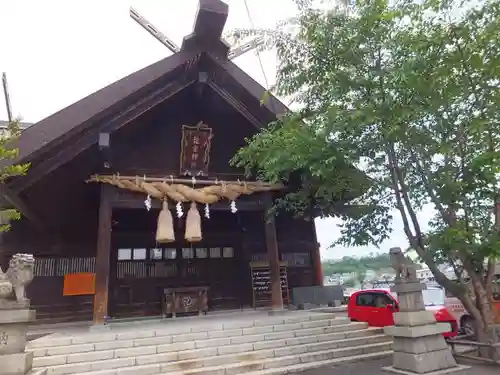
x=195 y=150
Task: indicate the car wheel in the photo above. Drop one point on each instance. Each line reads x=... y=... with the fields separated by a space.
x=468 y=327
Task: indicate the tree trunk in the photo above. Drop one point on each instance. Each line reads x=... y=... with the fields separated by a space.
x=479 y=307
x=475 y=300
x=486 y=328
x=484 y=318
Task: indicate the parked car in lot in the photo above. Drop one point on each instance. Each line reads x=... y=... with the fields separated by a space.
x=376 y=306
x=347 y=295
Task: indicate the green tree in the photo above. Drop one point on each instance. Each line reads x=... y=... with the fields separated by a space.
x=8 y=152
x=361 y=276
x=357 y=264
x=407 y=93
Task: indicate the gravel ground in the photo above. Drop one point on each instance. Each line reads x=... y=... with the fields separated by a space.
x=374 y=368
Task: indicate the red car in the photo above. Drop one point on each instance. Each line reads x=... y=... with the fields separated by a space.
x=376 y=306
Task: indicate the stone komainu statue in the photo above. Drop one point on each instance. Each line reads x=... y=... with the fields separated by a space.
x=17 y=277
x=404 y=267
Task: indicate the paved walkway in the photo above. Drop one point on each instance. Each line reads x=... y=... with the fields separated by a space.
x=374 y=368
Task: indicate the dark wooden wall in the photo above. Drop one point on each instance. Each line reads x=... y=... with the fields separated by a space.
x=150 y=145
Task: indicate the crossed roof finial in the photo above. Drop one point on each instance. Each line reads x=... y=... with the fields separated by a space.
x=209 y=23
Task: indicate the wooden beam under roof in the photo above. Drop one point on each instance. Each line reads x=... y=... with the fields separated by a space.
x=235 y=77
x=21 y=205
x=238 y=106
x=239 y=96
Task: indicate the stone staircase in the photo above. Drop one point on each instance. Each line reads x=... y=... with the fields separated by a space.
x=254 y=345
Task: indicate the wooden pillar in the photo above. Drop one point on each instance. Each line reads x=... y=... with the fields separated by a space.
x=319 y=276
x=102 y=263
x=4 y=259
x=274 y=259
x=318 y=267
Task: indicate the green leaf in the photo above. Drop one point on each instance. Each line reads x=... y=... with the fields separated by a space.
x=7 y=151
x=265 y=98
x=399 y=112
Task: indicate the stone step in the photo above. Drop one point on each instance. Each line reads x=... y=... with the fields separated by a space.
x=186 y=332
x=200 y=339
x=193 y=349
x=181 y=361
x=312 y=365
x=163 y=343
x=252 y=364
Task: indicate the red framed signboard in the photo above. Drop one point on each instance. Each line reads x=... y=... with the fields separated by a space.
x=195 y=150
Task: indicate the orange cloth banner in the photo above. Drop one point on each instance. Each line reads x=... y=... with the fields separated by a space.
x=79 y=284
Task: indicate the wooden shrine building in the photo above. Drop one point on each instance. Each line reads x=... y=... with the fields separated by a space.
x=176 y=122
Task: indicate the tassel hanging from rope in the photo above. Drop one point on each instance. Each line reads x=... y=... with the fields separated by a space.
x=165 y=229
x=193 y=224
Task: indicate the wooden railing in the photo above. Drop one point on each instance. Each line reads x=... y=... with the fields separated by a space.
x=473 y=348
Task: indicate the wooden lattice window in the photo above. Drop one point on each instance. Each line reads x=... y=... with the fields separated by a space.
x=156 y=254
x=228 y=252
x=124 y=254
x=215 y=252
x=170 y=253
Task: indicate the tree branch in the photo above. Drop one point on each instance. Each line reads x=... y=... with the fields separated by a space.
x=427 y=185
x=399 y=200
x=406 y=199
x=490 y=273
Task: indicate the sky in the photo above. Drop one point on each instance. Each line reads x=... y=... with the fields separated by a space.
x=56 y=52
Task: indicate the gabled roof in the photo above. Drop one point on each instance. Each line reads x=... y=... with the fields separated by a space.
x=95 y=106
x=203 y=50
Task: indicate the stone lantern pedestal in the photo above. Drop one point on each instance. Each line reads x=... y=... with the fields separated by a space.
x=14 y=319
x=15 y=315
x=419 y=346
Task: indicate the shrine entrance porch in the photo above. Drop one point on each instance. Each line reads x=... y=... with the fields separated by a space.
x=147 y=279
